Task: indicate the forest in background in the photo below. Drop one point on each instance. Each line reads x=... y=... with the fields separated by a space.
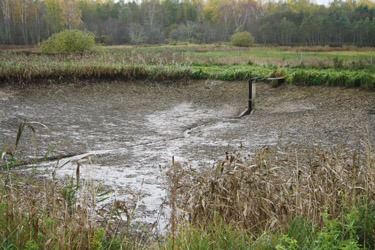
x=291 y=22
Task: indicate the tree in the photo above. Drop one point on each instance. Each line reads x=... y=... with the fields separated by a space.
x=185 y=32
x=286 y=29
x=170 y=12
x=151 y=10
x=54 y=15
x=71 y=13
x=114 y=21
x=136 y=33
x=312 y=29
x=6 y=11
x=242 y=12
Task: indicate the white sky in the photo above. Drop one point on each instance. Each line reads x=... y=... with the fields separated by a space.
x=325 y=2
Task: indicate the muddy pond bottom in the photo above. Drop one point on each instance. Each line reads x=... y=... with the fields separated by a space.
x=131 y=130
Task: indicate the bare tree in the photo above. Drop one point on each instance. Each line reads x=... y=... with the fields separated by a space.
x=225 y=14
x=243 y=12
x=21 y=12
x=71 y=13
x=5 y=7
x=150 y=8
x=136 y=33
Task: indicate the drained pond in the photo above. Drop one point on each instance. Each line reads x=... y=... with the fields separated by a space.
x=131 y=130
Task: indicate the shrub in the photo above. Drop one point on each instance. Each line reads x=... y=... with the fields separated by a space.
x=69 y=41
x=242 y=39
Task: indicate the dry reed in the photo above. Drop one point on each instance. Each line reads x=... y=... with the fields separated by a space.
x=49 y=214
x=263 y=191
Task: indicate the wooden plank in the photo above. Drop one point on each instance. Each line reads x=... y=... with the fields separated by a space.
x=253 y=95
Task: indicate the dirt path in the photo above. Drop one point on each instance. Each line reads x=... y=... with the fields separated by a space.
x=132 y=130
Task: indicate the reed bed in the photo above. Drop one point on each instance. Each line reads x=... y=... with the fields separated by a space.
x=265 y=191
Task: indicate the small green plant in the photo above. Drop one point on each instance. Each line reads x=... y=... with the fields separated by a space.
x=69 y=192
x=338 y=63
x=242 y=39
x=277 y=73
x=31 y=245
x=97 y=240
x=287 y=243
x=69 y=41
x=365 y=225
x=214 y=235
x=303 y=231
x=338 y=234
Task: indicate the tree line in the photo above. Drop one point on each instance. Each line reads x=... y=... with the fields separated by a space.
x=291 y=22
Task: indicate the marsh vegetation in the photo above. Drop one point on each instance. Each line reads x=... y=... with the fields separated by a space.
x=300 y=66
x=112 y=146
x=297 y=174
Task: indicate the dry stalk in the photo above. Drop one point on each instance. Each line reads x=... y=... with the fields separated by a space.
x=262 y=191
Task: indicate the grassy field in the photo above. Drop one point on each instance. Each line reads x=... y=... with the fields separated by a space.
x=352 y=67
x=222 y=53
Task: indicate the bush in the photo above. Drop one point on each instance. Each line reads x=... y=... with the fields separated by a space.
x=242 y=39
x=69 y=41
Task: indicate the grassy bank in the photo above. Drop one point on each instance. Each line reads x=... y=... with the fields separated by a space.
x=161 y=63
x=275 y=198
x=21 y=72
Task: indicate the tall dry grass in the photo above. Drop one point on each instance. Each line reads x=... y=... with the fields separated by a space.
x=50 y=213
x=263 y=191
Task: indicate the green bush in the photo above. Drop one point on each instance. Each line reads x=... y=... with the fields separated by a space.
x=69 y=41
x=242 y=39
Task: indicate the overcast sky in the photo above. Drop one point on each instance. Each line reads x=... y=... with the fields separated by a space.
x=326 y=2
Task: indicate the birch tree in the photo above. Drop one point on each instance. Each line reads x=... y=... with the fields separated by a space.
x=5 y=8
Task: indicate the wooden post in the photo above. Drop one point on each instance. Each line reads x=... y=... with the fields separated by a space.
x=249 y=108
x=250 y=95
x=253 y=94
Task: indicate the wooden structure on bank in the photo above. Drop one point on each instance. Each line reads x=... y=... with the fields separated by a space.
x=252 y=91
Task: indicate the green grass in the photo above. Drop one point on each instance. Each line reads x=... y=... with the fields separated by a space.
x=300 y=234
x=209 y=52
x=124 y=64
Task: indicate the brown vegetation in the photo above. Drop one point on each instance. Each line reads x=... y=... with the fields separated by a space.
x=265 y=190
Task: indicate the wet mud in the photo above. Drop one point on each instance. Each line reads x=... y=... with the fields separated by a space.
x=131 y=130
